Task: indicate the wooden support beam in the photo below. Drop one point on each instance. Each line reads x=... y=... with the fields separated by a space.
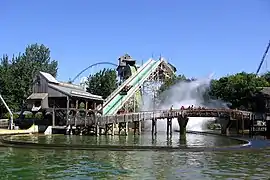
x=137 y=127
x=86 y=105
x=53 y=117
x=169 y=126
x=154 y=126
x=109 y=129
x=123 y=126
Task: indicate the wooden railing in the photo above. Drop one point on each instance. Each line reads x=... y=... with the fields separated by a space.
x=89 y=117
x=4 y=123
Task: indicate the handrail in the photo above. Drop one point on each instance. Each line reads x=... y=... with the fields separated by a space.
x=185 y=111
x=221 y=110
x=115 y=92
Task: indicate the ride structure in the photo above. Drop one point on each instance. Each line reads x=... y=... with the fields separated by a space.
x=263 y=58
x=134 y=82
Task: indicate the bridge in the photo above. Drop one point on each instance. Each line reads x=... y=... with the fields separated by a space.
x=86 y=121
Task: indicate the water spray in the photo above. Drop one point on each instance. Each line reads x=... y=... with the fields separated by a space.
x=185 y=94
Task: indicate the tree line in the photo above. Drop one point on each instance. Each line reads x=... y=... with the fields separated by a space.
x=17 y=74
x=240 y=89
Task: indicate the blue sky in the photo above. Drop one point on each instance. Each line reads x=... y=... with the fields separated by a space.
x=197 y=36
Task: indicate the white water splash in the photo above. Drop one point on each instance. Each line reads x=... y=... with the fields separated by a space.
x=185 y=94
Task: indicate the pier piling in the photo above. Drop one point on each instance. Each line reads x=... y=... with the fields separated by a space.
x=154 y=126
x=169 y=126
x=109 y=129
x=123 y=126
x=137 y=127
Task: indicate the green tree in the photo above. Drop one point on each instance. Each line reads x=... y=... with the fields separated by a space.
x=102 y=83
x=266 y=76
x=17 y=73
x=238 y=89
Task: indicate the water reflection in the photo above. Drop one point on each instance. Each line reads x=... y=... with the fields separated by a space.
x=191 y=140
x=54 y=164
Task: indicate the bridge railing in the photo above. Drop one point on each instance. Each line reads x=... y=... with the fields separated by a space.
x=79 y=117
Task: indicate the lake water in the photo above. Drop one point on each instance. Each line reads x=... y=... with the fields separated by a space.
x=19 y=163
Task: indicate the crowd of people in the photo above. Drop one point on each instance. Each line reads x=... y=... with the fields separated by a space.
x=192 y=107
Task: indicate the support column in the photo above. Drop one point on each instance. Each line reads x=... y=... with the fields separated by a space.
x=109 y=129
x=123 y=126
x=67 y=111
x=137 y=127
x=237 y=125
x=225 y=124
x=154 y=126
x=77 y=104
x=134 y=102
x=251 y=125
x=182 y=121
x=53 y=117
x=97 y=131
x=169 y=126
x=86 y=105
x=243 y=125
x=267 y=127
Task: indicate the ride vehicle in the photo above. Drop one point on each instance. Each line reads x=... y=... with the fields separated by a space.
x=125 y=90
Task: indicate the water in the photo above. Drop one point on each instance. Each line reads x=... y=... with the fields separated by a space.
x=38 y=164
x=192 y=140
x=16 y=163
x=184 y=94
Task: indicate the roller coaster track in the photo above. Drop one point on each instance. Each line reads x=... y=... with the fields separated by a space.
x=92 y=65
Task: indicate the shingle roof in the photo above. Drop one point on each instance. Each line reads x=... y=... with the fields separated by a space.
x=76 y=92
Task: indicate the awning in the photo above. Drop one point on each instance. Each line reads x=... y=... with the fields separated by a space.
x=37 y=96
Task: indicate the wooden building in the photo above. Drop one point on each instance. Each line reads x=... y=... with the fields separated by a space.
x=50 y=93
x=262 y=101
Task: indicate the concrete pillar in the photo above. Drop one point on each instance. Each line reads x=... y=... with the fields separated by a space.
x=182 y=121
x=225 y=124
